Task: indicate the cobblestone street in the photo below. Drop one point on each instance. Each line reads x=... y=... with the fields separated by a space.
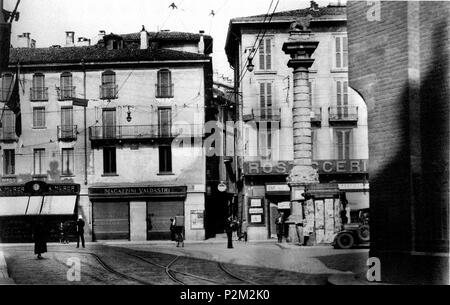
x=164 y=264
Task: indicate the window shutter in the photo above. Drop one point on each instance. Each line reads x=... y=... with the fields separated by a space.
x=262 y=95
x=262 y=64
x=347 y=144
x=338 y=52
x=269 y=95
x=268 y=54
x=339 y=93
x=345 y=90
x=38 y=81
x=345 y=52
x=339 y=143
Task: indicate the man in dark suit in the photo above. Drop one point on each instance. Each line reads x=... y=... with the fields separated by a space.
x=80 y=231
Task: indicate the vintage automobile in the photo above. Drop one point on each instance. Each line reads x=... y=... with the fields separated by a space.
x=354 y=234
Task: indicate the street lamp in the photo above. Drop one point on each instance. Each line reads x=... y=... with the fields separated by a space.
x=129 y=115
x=250 y=66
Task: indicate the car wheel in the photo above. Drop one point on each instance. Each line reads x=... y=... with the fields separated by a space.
x=364 y=233
x=345 y=241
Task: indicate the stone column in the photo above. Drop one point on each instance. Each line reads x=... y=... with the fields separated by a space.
x=300 y=47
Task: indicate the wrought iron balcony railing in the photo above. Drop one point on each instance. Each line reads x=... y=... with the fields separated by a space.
x=164 y=91
x=67 y=133
x=66 y=93
x=272 y=114
x=39 y=94
x=343 y=113
x=143 y=132
x=109 y=92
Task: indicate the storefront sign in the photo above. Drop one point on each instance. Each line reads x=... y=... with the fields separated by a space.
x=341 y=166
x=39 y=188
x=278 y=188
x=256 y=219
x=258 y=168
x=197 y=220
x=354 y=186
x=164 y=191
x=256 y=202
x=286 y=205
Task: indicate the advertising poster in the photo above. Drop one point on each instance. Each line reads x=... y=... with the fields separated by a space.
x=197 y=220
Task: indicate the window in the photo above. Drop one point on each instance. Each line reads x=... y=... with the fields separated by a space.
x=66 y=91
x=109 y=123
x=109 y=161
x=265 y=99
x=164 y=87
x=7 y=86
x=39 y=91
x=165 y=159
x=108 y=88
x=265 y=54
x=343 y=143
x=165 y=121
x=8 y=124
x=341 y=52
x=265 y=140
x=67 y=164
x=342 y=99
x=39 y=162
x=39 y=117
x=9 y=162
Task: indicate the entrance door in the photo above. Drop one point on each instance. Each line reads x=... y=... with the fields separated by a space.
x=109 y=123
x=111 y=220
x=158 y=220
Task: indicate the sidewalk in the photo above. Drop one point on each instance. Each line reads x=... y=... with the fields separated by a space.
x=4 y=277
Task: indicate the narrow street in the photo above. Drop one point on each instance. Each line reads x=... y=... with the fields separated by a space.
x=196 y=264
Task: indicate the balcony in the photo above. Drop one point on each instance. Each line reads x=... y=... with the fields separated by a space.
x=66 y=93
x=8 y=135
x=67 y=133
x=164 y=91
x=343 y=115
x=269 y=114
x=104 y=135
x=39 y=94
x=109 y=92
x=316 y=117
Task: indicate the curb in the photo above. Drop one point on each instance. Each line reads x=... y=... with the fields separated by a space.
x=4 y=277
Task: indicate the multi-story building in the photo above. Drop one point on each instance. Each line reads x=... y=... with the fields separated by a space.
x=264 y=84
x=128 y=161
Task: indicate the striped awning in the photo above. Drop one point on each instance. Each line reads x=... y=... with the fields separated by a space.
x=37 y=205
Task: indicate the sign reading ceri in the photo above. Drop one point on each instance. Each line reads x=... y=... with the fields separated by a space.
x=341 y=166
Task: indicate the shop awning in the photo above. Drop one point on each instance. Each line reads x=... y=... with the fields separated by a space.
x=358 y=200
x=13 y=206
x=34 y=205
x=59 y=205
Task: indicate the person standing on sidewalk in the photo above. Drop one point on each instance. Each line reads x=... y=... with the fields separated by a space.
x=229 y=227
x=279 y=222
x=40 y=238
x=80 y=231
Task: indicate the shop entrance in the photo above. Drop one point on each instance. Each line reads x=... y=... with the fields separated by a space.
x=159 y=214
x=111 y=220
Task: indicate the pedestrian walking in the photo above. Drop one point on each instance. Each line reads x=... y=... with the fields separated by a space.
x=279 y=223
x=40 y=238
x=80 y=231
x=243 y=233
x=179 y=230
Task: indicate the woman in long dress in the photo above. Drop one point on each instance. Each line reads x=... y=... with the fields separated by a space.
x=40 y=238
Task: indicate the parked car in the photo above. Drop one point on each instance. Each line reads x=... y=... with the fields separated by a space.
x=354 y=234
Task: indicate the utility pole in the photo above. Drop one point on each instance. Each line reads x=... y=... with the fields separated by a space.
x=2 y=17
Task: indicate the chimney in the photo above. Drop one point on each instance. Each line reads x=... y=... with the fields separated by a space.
x=144 y=39
x=24 y=41
x=70 y=39
x=201 y=43
x=83 y=42
x=101 y=34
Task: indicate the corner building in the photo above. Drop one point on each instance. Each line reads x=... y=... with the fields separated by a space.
x=135 y=151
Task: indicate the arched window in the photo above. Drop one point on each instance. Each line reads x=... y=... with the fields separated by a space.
x=164 y=87
x=108 y=89
x=67 y=90
x=39 y=92
x=7 y=86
